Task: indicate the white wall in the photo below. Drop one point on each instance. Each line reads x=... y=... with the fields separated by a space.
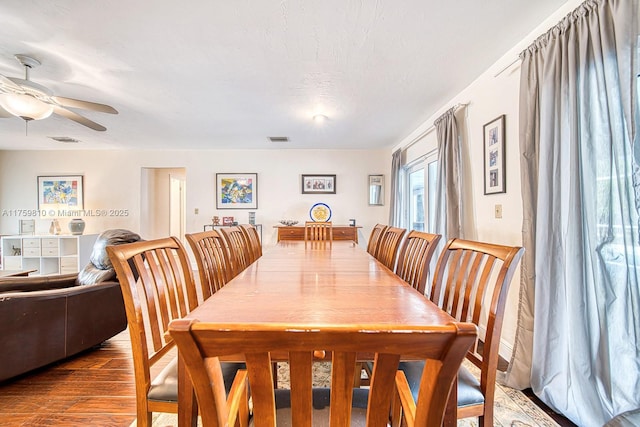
x=113 y=181
x=494 y=93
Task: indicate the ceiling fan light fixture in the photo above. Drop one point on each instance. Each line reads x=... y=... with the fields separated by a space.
x=25 y=106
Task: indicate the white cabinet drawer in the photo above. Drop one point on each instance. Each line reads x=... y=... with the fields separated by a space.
x=69 y=262
x=68 y=265
x=31 y=252
x=49 y=243
x=30 y=243
x=49 y=251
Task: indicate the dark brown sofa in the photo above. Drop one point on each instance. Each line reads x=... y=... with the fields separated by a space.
x=44 y=319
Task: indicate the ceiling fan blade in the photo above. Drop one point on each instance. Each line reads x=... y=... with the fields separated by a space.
x=5 y=114
x=61 y=111
x=5 y=81
x=86 y=105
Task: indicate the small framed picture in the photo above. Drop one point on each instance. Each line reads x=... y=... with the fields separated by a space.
x=318 y=184
x=27 y=226
x=494 y=157
x=237 y=190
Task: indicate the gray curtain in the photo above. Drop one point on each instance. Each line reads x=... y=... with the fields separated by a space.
x=449 y=218
x=579 y=323
x=395 y=213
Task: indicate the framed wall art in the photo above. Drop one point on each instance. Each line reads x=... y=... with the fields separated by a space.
x=236 y=190
x=318 y=184
x=60 y=193
x=494 y=157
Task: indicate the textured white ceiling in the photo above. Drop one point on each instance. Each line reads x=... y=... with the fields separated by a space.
x=202 y=74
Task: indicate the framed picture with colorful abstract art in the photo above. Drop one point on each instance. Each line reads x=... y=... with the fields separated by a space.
x=237 y=191
x=60 y=193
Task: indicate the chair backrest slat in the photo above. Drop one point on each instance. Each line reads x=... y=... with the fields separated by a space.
x=239 y=247
x=300 y=376
x=374 y=238
x=251 y=233
x=415 y=257
x=213 y=259
x=388 y=247
x=318 y=231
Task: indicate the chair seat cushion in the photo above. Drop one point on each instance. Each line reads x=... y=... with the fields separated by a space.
x=469 y=392
x=321 y=399
x=164 y=387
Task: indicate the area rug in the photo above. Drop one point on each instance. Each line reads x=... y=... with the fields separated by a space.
x=512 y=407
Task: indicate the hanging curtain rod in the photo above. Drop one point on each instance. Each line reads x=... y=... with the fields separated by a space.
x=431 y=128
x=506 y=67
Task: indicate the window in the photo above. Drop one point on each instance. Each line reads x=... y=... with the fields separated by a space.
x=413 y=197
x=419 y=197
x=432 y=176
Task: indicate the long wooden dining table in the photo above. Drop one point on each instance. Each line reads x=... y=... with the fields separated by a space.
x=317 y=284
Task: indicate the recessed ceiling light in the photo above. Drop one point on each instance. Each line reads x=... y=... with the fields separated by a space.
x=320 y=118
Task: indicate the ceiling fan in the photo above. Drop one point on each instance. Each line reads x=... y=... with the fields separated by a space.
x=31 y=101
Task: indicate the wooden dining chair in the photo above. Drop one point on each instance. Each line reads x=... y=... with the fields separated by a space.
x=318 y=231
x=157 y=287
x=387 y=251
x=412 y=266
x=374 y=239
x=443 y=348
x=415 y=257
x=239 y=248
x=251 y=233
x=471 y=282
x=213 y=260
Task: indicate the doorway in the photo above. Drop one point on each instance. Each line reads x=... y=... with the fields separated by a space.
x=163 y=202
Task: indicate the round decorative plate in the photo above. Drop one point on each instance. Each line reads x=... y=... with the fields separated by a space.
x=320 y=212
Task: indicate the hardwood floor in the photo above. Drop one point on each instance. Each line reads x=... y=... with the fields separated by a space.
x=94 y=388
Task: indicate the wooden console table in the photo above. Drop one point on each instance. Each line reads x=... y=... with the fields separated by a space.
x=296 y=232
x=214 y=226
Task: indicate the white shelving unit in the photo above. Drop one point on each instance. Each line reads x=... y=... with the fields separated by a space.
x=47 y=254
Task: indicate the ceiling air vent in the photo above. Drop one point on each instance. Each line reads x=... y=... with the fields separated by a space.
x=64 y=139
x=278 y=139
